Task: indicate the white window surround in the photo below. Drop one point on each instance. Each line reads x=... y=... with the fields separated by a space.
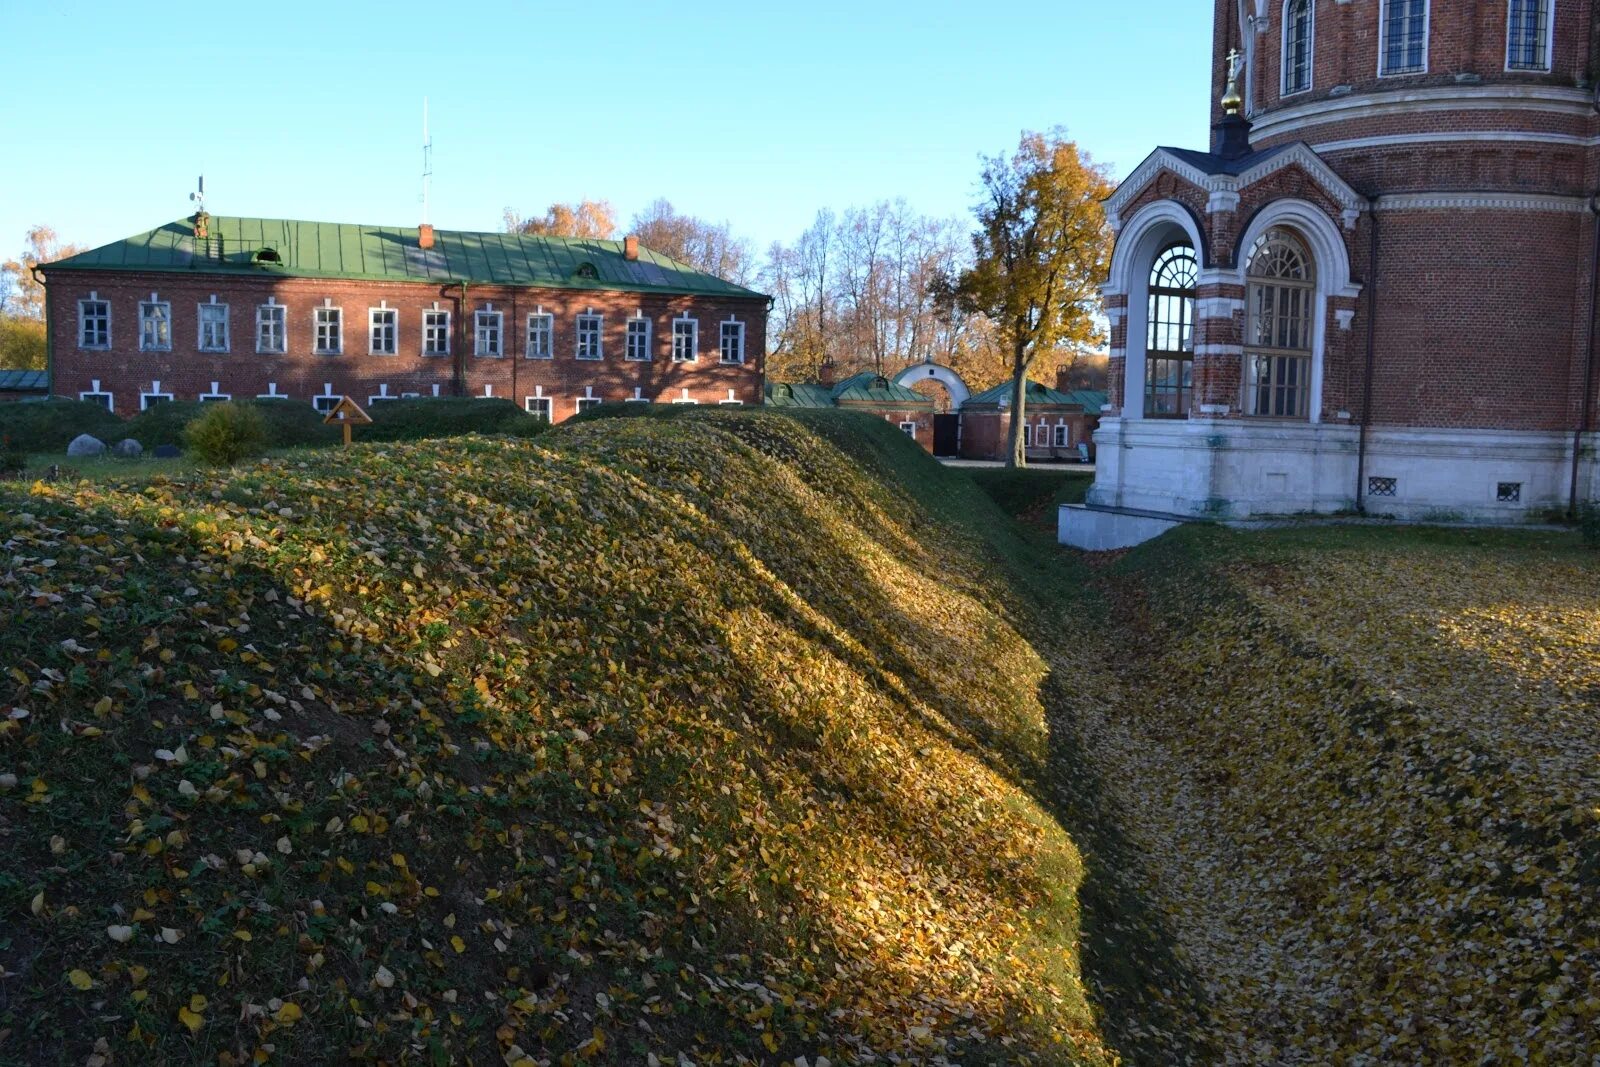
x=1284 y=89
x=100 y=318
x=95 y=393
x=155 y=395
x=591 y=335
x=1548 y=7
x=383 y=330
x=584 y=403
x=272 y=328
x=272 y=393
x=488 y=333
x=215 y=395
x=326 y=400
x=327 y=324
x=435 y=331
x=382 y=396
x=541 y=335
x=638 y=338
x=731 y=401
x=909 y=429
x=1063 y=437
x=686 y=329
x=217 y=317
x=730 y=329
x=1383 y=39
x=155 y=325
x=539 y=406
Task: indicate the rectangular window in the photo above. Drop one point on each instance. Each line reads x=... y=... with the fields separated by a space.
x=732 y=345
x=587 y=402
x=1508 y=492
x=326 y=402
x=1027 y=435
x=589 y=343
x=487 y=333
x=154 y=397
x=271 y=332
x=213 y=327
x=94 y=324
x=1297 y=44
x=1378 y=485
x=436 y=333
x=541 y=336
x=383 y=331
x=538 y=407
x=909 y=429
x=1528 y=35
x=1063 y=435
x=685 y=340
x=638 y=339
x=330 y=331
x=105 y=400
x=155 y=326
x=1404 y=26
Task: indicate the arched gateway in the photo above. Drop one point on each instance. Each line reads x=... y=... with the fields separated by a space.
x=946 y=426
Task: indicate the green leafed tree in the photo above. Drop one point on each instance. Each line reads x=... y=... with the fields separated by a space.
x=1040 y=251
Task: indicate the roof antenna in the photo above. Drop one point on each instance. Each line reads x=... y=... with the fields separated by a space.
x=202 y=221
x=427 y=162
x=199 y=195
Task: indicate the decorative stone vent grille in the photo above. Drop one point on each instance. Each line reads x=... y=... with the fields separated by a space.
x=1382 y=486
x=1508 y=492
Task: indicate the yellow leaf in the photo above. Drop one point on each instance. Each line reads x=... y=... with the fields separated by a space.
x=80 y=979
x=768 y=1040
x=192 y=1019
x=243 y=935
x=289 y=1014
x=458 y=944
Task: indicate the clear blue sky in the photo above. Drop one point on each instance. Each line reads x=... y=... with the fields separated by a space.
x=758 y=113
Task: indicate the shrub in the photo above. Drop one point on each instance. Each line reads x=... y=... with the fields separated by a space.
x=1589 y=524
x=48 y=425
x=294 y=424
x=226 y=433
x=443 y=416
x=12 y=457
x=162 y=424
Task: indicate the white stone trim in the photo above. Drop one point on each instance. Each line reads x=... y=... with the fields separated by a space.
x=1150 y=230
x=1226 y=184
x=1283 y=51
x=1444 y=201
x=1497 y=136
x=1218 y=307
x=1427 y=41
x=952 y=382
x=1573 y=103
x=1344 y=317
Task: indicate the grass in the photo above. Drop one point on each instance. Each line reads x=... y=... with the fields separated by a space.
x=1032 y=494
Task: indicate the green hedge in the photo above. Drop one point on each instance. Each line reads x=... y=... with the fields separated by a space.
x=446 y=416
x=48 y=425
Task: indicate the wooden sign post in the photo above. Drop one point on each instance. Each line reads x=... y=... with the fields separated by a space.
x=347 y=413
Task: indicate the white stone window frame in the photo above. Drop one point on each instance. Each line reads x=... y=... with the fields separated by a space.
x=94 y=393
x=693 y=324
x=373 y=329
x=1063 y=434
x=1027 y=434
x=326 y=400
x=489 y=333
x=382 y=396
x=722 y=342
x=730 y=401
x=540 y=407
x=638 y=324
x=200 y=324
x=909 y=428
x=215 y=395
x=684 y=398
x=1383 y=40
x=540 y=334
x=584 y=403
x=590 y=322
x=638 y=397
x=146 y=307
x=318 y=322
x=272 y=393
x=429 y=331
x=83 y=321
x=1549 y=41
x=1284 y=89
x=155 y=393
x=279 y=323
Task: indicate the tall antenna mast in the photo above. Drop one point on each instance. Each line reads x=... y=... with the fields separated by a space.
x=427 y=161
x=199 y=195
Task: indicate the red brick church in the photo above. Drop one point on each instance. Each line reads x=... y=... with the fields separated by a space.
x=1375 y=289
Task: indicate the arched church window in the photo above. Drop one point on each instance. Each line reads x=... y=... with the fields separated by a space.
x=1528 y=35
x=1403 y=25
x=1279 y=327
x=1169 y=348
x=1298 y=27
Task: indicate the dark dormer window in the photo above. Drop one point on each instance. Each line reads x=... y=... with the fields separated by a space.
x=267 y=255
x=586 y=270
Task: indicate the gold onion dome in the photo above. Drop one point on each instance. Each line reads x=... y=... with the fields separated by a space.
x=1232 y=101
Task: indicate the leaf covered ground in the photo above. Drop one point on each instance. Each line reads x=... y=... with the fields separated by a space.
x=1361 y=769
x=643 y=742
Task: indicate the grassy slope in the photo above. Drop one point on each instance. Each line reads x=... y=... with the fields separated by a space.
x=644 y=738
x=1361 y=766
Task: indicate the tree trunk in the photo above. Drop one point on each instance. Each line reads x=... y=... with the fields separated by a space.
x=1017 y=455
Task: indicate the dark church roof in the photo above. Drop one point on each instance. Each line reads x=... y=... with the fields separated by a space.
x=1212 y=163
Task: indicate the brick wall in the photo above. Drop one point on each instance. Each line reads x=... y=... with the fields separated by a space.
x=186 y=372
x=985 y=434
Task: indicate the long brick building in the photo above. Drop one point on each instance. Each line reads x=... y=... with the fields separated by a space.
x=1375 y=289
x=210 y=308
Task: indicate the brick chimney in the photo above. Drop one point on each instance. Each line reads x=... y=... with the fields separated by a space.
x=425 y=235
x=825 y=373
x=630 y=248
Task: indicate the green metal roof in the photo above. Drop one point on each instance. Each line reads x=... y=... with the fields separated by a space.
x=1000 y=396
x=871 y=388
x=389 y=253
x=798 y=395
x=1092 y=400
x=24 y=381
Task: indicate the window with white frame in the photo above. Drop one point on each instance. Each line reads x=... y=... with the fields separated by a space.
x=537 y=406
x=1528 y=28
x=435 y=332
x=156 y=395
x=1299 y=29
x=638 y=339
x=213 y=320
x=94 y=323
x=541 y=335
x=1403 y=27
x=685 y=400
x=685 y=340
x=586 y=402
x=326 y=402
x=589 y=339
x=215 y=395
x=1279 y=318
x=732 y=342
x=1063 y=435
x=1027 y=435
x=95 y=395
x=909 y=429
x=487 y=332
x=1169 y=342
x=155 y=326
x=272 y=334
x=329 y=340
x=383 y=331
